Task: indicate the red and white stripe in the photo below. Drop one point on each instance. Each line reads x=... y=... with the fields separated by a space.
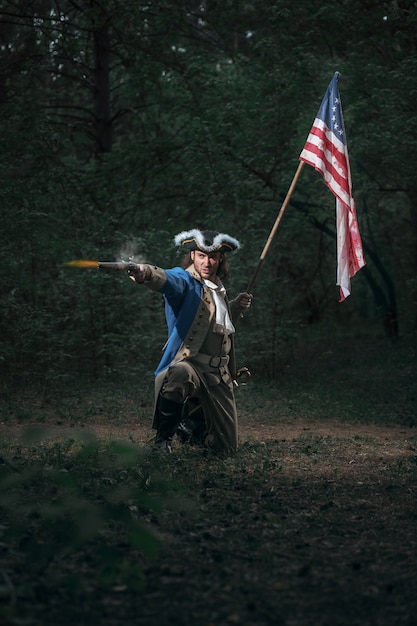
x=329 y=156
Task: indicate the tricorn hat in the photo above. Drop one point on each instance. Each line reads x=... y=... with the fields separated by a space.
x=206 y=241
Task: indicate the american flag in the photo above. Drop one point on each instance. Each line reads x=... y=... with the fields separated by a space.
x=326 y=150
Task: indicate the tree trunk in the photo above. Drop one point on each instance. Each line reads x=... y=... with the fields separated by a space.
x=101 y=88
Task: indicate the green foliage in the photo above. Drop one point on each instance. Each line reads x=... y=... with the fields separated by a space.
x=82 y=498
x=344 y=493
x=124 y=124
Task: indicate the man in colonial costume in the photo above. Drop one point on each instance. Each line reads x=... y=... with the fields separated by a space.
x=198 y=361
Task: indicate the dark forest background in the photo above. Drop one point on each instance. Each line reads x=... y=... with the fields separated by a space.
x=124 y=122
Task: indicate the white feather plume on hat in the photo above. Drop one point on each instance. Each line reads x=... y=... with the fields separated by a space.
x=206 y=240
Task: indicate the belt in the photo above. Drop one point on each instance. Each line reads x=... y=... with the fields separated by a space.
x=212 y=361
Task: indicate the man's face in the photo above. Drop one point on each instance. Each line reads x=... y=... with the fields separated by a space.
x=206 y=264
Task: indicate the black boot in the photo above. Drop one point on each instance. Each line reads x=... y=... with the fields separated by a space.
x=192 y=429
x=168 y=416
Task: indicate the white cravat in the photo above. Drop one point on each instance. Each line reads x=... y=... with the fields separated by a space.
x=223 y=322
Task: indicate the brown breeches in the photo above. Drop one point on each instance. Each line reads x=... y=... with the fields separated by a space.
x=185 y=380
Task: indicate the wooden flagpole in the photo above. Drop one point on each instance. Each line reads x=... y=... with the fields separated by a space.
x=275 y=228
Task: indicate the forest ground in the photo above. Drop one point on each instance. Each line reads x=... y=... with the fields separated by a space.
x=311 y=522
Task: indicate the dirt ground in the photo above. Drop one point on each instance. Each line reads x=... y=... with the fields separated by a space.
x=310 y=524
x=250 y=429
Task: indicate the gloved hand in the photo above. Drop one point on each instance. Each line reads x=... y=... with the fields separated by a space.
x=244 y=300
x=139 y=273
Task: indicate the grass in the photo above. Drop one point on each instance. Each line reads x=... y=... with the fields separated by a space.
x=92 y=527
x=314 y=525
x=350 y=381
